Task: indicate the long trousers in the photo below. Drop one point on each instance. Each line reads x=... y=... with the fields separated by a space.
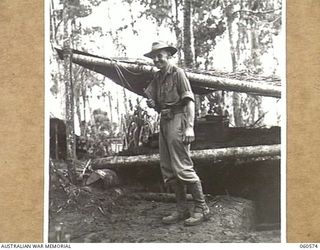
x=175 y=161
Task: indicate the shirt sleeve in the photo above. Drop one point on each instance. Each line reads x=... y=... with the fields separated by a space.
x=184 y=87
x=151 y=90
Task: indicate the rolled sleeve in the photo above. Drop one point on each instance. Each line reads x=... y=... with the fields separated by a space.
x=184 y=87
x=187 y=94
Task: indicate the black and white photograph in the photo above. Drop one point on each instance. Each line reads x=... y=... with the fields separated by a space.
x=166 y=121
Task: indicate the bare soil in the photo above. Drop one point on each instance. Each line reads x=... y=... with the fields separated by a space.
x=113 y=216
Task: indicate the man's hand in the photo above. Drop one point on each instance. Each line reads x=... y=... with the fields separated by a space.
x=188 y=135
x=151 y=103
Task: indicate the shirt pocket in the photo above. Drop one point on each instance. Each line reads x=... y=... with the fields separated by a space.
x=171 y=93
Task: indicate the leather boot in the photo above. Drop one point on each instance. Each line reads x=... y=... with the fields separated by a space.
x=182 y=211
x=201 y=210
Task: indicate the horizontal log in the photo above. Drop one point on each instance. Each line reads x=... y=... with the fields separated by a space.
x=141 y=72
x=240 y=161
x=206 y=155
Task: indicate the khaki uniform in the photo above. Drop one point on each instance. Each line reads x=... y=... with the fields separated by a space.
x=168 y=91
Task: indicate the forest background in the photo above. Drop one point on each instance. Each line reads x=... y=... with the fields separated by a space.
x=242 y=36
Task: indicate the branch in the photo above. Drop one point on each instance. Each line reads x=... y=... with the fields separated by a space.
x=275 y=20
x=255 y=12
x=259 y=119
x=56 y=30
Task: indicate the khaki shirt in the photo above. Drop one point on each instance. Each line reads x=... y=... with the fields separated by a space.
x=169 y=89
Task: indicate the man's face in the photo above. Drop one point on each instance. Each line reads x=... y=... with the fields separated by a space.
x=161 y=59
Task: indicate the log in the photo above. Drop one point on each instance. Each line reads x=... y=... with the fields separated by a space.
x=206 y=155
x=135 y=76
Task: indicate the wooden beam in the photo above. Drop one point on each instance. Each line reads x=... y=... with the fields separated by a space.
x=206 y=155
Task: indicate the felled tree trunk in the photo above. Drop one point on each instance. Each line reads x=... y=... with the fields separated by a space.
x=200 y=80
x=207 y=155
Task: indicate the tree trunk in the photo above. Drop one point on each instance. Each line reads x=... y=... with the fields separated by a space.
x=84 y=100
x=236 y=98
x=256 y=61
x=177 y=31
x=70 y=136
x=56 y=141
x=52 y=22
x=188 y=46
x=232 y=49
x=187 y=35
x=206 y=155
x=110 y=106
x=77 y=103
x=254 y=50
x=118 y=112
x=123 y=120
x=237 y=111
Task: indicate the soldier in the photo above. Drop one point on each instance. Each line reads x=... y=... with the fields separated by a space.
x=170 y=94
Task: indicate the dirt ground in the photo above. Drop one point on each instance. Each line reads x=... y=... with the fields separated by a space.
x=114 y=217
